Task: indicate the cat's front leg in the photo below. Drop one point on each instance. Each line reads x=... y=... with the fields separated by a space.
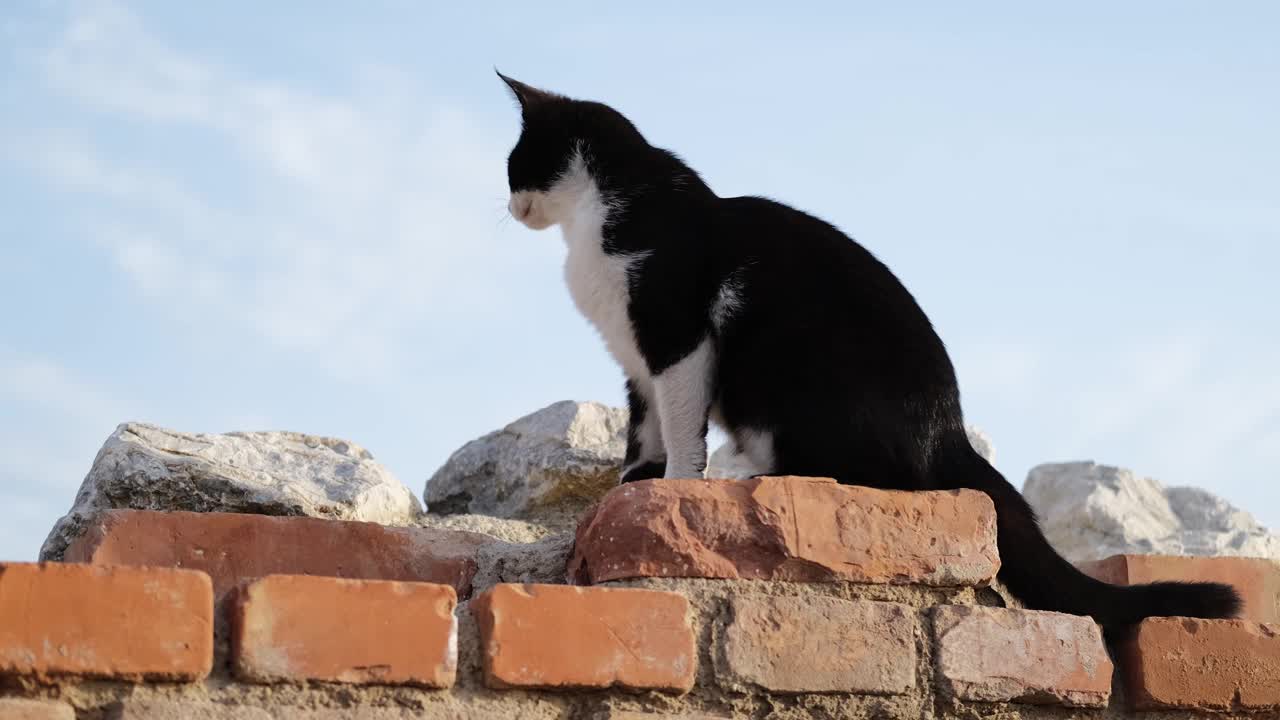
x=683 y=394
x=670 y=315
x=645 y=458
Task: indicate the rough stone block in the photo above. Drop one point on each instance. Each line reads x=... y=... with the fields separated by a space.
x=1030 y=656
x=144 y=467
x=1090 y=511
x=787 y=528
x=820 y=644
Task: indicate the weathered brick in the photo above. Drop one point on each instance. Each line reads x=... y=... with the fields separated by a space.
x=787 y=528
x=1203 y=665
x=555 y=636
x=1257 y=580
x=234 y=547
x=111 y=622
x=994 y=654
x=298 y=627
x=820 y=644
x=18 y=709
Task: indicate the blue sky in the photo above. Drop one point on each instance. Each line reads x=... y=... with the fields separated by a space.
x=236 y=216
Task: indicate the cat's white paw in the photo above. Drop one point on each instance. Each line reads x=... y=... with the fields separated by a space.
x=683 y=472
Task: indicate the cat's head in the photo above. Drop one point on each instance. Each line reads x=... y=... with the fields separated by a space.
x=563 y=146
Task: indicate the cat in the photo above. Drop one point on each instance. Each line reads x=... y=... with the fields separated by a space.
x=792 y=337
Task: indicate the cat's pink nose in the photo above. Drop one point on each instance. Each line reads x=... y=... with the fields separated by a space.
x=520 y=206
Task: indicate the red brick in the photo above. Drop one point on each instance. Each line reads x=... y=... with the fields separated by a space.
x=233 y=547
x=818 y=644
x=1186 y=663
x=17 y=709
x=800 y=529
x=995 y=655
x=1257 y=580
x=110 y=622
x=295 y=628
x=555 y=636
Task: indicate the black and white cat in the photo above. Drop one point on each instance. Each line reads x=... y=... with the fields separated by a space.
x=797 y=341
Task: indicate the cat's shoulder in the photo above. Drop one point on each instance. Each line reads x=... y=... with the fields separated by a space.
x=764 y=213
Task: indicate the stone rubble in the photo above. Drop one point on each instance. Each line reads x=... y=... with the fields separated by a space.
x=1091 y=511
x=768 y=597
x=545 y=467
x=145 y=467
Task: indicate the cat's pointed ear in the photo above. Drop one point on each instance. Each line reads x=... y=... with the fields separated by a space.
x=528 y=95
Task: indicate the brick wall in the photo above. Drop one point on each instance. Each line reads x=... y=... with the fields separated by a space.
x=776 y=597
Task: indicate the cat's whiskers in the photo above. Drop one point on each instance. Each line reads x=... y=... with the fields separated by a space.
x=504 y=213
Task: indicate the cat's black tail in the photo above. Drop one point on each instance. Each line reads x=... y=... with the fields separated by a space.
x=1042 y=579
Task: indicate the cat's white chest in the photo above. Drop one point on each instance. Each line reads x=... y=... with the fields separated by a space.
x=598 y=285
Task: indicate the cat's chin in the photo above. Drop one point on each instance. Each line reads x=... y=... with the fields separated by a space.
x=536 y=223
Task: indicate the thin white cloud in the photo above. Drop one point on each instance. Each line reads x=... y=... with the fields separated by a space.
x=45 y=456
x=74 y=163
x=65 y=420
x=362 y=223
x=109 y=60
x=47 y=386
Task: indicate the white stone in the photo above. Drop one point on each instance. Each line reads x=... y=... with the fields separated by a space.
x=1090 y=511
x=981 y=442
x=523 y=552
x=540 y=562
x=145 y=467
x=505 y=529
x=545 y=466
